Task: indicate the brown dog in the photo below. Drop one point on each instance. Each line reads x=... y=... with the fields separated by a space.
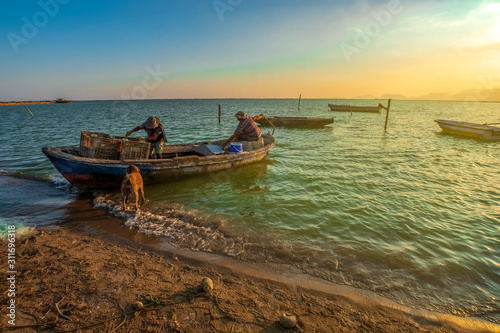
x=132 y=184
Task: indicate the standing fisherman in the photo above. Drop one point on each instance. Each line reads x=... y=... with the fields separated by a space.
x=156 y=134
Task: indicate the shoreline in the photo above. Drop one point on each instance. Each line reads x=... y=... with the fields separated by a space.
x=34 y=102
x=92 y=275
x=23 y=103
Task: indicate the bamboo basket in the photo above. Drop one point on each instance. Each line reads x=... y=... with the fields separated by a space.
x=103 y=146
x=99 y=145
x=131 y=149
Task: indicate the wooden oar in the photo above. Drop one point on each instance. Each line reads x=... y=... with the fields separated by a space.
x=270 y=123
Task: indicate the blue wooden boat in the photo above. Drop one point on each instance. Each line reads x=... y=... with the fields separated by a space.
x=177 y=161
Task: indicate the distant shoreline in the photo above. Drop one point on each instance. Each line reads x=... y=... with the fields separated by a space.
x=62 y=100
x=31 y=102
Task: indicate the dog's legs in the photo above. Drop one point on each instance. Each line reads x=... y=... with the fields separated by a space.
x=143 y=199
x=136 y=192
x=125 y=197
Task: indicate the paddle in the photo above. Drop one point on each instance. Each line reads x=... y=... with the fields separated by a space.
x=270 y=123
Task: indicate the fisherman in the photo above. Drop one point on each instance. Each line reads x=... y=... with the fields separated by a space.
x=246 y=130
x=156 y=134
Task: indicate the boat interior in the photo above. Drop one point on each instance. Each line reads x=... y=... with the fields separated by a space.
x=206 y=148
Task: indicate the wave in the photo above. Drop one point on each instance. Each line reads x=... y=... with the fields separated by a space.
x=197 y=230
x=184 y=228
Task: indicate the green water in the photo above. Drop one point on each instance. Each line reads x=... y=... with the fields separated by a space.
x=409 y=212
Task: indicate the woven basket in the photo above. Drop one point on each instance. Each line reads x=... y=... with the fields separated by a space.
x=134 y=150
x=99 y=145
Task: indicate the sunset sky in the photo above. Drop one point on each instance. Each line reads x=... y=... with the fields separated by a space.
x=121 y=49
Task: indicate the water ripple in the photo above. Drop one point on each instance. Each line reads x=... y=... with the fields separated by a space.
x=410 y=213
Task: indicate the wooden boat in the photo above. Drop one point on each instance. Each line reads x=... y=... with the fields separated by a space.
x=177 y=161
x=478 y=131
x=295 y=121
x=351 y=108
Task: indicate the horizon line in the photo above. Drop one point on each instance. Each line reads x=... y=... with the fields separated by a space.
x=219 y=98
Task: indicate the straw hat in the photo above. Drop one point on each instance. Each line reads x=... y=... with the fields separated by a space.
x=152 y=122
x=240 y=115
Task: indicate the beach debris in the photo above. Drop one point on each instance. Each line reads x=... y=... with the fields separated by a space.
x=288 y=320
x=137 y=306
x=207 y=285
x=59 y=310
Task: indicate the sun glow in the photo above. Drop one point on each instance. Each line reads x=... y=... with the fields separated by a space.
x=492 y=12
x=495 y=33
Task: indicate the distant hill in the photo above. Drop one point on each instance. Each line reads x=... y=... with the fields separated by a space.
x=483 y=95
x=365 y=97
x=433 y=97
x=393 y=96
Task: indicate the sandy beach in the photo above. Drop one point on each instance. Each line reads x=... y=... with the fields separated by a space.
x=78 y=277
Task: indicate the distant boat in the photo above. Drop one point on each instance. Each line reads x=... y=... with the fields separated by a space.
x=295 y=121
x=62 y=100
x=351 y=108
x=478 y=131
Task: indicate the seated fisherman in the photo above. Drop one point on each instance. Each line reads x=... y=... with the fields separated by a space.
x=246 y=130
x=156 y=134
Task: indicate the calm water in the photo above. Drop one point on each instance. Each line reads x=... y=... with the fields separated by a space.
x=409 y=213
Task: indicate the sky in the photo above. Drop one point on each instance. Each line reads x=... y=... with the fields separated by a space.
x=156 y=49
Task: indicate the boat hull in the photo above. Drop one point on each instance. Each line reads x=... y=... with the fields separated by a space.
x=350 y=108
x=88 y=172
x=471 y=130
x=295 y=121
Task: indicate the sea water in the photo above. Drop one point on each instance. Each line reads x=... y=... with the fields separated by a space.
x=409 y=213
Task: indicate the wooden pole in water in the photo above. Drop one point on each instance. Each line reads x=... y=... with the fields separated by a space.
x=29 y=111
x=387 y=114
x=298 y=108
x=219 y=113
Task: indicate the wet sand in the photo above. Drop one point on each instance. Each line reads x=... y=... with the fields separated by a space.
x=88 y=275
